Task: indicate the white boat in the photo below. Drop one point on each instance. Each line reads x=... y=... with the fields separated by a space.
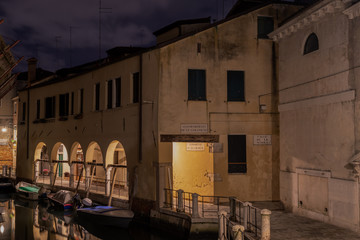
x=27 y=190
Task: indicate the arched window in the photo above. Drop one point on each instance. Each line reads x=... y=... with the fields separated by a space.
x=311 y=44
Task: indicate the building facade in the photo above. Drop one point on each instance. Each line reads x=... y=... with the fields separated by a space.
x=318 y=105
x=198 y=112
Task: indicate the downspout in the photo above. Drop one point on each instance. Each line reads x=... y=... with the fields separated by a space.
x=140 y=109
x=27 y=123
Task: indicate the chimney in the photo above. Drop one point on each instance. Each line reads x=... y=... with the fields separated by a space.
x=32 y=62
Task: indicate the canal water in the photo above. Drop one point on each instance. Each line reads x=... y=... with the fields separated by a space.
x=28 y=220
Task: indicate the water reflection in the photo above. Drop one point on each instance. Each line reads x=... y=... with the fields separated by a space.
x=22 y=219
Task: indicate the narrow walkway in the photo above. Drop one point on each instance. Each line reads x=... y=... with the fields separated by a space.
x=286 y=225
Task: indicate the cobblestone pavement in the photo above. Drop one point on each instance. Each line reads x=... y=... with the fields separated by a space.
x=286 y=225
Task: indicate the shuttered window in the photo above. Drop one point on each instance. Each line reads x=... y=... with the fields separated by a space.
x=109 y=94
x=64 y=105
x=235 y=86
x=237 y=154
x=97 y=96
x=311 y=44
x=196 y=85
x=118 y=92
x=265 y=26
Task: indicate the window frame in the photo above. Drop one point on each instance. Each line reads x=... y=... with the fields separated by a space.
x=237 y=161
x=196 y=80
x=309 y=45
x=264 y=34
x=230 y=89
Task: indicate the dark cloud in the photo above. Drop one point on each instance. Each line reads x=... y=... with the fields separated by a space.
x=43 y=27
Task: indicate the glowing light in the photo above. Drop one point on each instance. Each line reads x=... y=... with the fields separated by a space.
x=2 y=228
x=3 y=129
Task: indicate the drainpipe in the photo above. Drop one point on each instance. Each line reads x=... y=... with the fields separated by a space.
x=140 y=108
x=31 y=77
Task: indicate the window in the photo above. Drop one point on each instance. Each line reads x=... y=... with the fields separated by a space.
x=237 y=154
x=72 y=103
x=50 y=107
x=196 y=85
x=265 y=26
x=38 y=109
x=81 y=101
x=64 y=105
x=118 y=92
x=23 y=112
x=311 y=44
x=235 y=86
x=109 y=94
x=136 y=87
x=97 y=96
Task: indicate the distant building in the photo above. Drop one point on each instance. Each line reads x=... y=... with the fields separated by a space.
x=197 y=112
x=319 y=112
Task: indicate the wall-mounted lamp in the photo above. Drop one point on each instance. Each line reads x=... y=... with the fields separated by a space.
x=4 y=129
x=262 y=107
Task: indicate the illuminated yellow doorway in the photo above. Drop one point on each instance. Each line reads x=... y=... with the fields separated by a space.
x=193 y=168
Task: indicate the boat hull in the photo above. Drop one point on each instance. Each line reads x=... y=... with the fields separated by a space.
x=107 y=216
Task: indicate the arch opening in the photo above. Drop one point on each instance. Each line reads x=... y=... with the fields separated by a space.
x=42 y=164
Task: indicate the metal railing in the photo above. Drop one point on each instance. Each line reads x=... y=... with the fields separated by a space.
x=243 y=214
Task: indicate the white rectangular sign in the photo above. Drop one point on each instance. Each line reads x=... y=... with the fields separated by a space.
x=193 y=128
x=195 y=147
x=262 y=139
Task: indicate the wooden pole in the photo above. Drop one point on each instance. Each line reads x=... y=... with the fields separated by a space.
x=92 y=175
x=112 y=187
x=77 y=186
x=53 y=183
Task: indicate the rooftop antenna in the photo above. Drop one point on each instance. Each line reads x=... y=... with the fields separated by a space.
x=101 y=10
x=70 y=43
x=57 y=50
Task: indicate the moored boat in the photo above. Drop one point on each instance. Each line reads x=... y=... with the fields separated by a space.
x=62 y=199
x=27 y=190
x=6 y=185
x=107 y=215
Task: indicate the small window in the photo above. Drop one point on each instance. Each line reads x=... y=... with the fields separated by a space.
x=109 y=94
x=50 y=107
x=237 y=154
x=196 y=85
x=64 y=105
x=118 y=92
x=38 y=109
x=136 y=87
x=72 y=103
x=265 y=26
x=97 y=96
x=311 y=44
x=81 y=101
x=235 y=86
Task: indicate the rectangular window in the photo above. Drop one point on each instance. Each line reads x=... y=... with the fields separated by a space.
x=81 y=101
x=265 y=26
x=109 y=94
x=118 y=92
x=237 y=154
x=50 y=107
x=136 y=86
x=72 y=103
x=63 y=105
x=23 y=112
x=38 y=109
x=196 y=85
x=235 y=86
x=97 y=96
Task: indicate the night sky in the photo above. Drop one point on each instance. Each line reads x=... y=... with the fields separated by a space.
x=44 y=27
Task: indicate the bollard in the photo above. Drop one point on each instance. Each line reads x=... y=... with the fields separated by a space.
x=238 y=232
x=265 y=224
x=232 y=209
x=222 y=225
x=195 y=206
x=180 y=205
x=4 y=169
x=246 y=214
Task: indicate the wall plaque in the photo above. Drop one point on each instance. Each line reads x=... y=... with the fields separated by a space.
x=262 y=139
x=193 y=128
x=195 y=147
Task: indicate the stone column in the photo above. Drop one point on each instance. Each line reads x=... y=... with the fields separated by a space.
x=51 y=173
x=238 y=232
x=232 y=208
x=265 y=224
x=222 y=225
x=195 y=205
x=180 y=205
x=87 y=176
x=71 y=177
x=108 y=181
